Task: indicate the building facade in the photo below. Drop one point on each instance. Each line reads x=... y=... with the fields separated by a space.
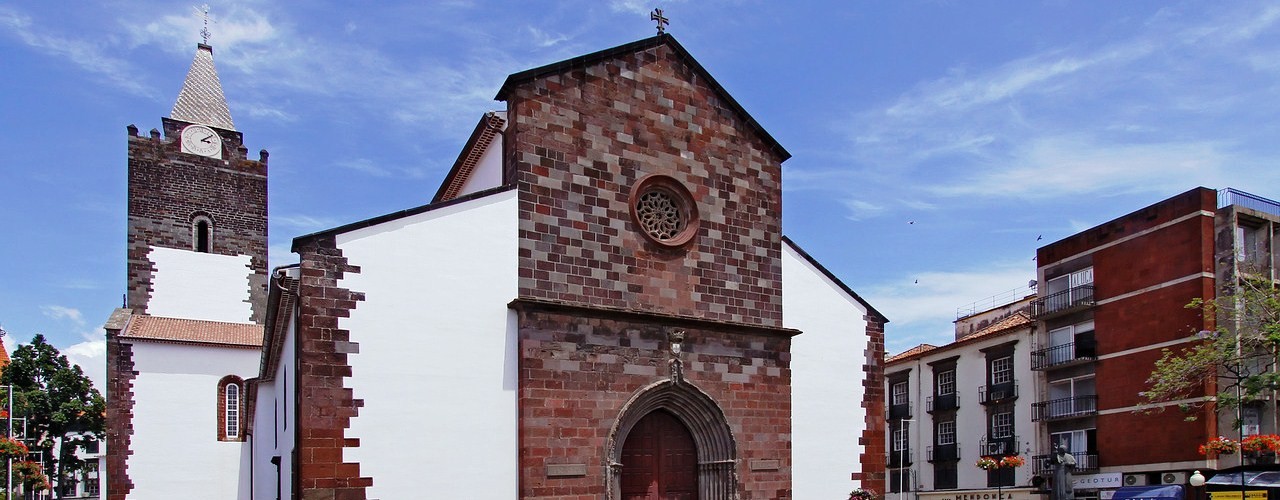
x=950 y=405
x=599 y=302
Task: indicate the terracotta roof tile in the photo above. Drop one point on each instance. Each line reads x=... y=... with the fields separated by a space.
x=922 y=348
x=193 y=330
x=1015 y=320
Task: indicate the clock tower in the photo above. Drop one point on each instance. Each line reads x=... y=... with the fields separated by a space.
x=197 y=243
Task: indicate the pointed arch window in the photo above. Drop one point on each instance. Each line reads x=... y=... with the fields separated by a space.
x=202 y=233
x=230 y=408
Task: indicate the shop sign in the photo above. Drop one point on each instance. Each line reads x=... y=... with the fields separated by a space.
x=992 y=494
x=1097 y=481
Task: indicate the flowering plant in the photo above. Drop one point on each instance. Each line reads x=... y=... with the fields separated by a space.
x=1012 y=461
x=1260 y=442
x=862 y=494
x=1219 y=446
x=11 y=448
x=987 y=463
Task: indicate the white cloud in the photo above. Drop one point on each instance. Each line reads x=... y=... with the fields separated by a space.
x=1060 y=166
x=861 y=210
x=305 y=223
x=91 y=355
x=91 y=57
x=63 y=313
x=923 y=306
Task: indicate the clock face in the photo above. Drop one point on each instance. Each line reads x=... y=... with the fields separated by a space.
x=201 y=140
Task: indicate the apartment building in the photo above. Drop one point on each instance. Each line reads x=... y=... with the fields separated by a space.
x=1113 y=298
x=950 y=405
x=1107 y=302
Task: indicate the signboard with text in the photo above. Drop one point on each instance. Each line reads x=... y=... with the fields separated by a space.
x=1235 y=495
x=991 y=494
x=1097 y=481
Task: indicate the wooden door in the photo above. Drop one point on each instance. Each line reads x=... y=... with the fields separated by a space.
x=659 y=460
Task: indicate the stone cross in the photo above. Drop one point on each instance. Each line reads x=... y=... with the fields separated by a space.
x=656 y=15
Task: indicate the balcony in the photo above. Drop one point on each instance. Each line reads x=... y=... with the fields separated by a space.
x=1007 y=445
x=1061 y=356
x=998 y=393
x=1064 y=408
x=944 y=452
x=942 y=403
x=1086 y=462
x=900 y=458
x=1074 y=299
x=899 y=412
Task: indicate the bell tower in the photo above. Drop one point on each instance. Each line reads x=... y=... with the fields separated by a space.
x=197 y=236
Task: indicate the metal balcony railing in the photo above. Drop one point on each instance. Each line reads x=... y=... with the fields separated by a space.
x=1085 y=462
x=1057 y=409
x=998 y=393
x=899 y=412
x=1063 y=355
x=942 y=403
x=1069 y=300
x=900 y=458
x=989 y=446
x=944 y=452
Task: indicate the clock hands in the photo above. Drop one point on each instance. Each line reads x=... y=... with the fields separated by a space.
x=207 y=140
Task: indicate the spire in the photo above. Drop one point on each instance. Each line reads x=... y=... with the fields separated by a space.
x=201 y=100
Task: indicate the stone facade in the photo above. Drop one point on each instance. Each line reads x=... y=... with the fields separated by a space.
x=325 y=405
x=582 y=369
x=582 y=136
x=873 y=399
x=120 y=377
x=168 y=188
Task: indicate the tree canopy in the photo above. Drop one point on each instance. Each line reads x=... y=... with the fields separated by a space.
x=1242 y=355
x=63 y=409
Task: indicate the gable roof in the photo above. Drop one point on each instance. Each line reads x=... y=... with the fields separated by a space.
x=201 y=100
x=814 y=262
x=920 y=349
x=193 y=331
x=528 y=75
x=491 y=124
x=1016 y=320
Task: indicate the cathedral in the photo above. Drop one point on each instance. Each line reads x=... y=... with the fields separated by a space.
x=597 y=302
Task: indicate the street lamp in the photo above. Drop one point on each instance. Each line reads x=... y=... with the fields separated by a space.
x=902 y=455
x=1196 y=481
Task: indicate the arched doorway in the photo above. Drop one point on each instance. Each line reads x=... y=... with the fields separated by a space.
x=659 y=460
x=683 y=406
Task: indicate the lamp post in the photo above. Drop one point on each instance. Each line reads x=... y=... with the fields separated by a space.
x=902 y=456
x=1196 y=481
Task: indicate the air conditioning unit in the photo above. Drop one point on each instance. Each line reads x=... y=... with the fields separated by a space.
x=1135 y=479
x=1173 y=478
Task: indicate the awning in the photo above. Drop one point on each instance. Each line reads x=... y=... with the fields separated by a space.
x=1167 y=492
x=1261 y=479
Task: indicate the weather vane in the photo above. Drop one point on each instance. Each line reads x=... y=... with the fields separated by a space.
x=656 y=15
x=204 y=32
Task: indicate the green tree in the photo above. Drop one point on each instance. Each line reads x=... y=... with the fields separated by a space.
x=62 y=408
x=1242 y=355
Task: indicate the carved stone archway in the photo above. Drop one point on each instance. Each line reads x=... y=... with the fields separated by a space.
x=716 y=449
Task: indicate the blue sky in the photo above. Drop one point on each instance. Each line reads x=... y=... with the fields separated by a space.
x=933 y=141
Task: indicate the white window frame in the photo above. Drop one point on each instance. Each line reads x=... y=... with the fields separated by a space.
x=1002 y=370
x=946 y=432
x=1002 y=425
x=947 y=382
x=232 y=411
x=900 y=439
x=900 y=391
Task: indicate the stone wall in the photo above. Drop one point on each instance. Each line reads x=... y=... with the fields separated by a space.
x=167 y=188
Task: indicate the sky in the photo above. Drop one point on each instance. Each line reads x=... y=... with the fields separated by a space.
x=936 y=144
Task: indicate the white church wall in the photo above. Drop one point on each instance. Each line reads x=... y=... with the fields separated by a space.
x=488 y=171
x=176 y=452
x=195 y=285
x=827 y=417
x=264 y=443
x=437 y=361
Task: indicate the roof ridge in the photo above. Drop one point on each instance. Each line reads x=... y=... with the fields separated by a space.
x=201 y=99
